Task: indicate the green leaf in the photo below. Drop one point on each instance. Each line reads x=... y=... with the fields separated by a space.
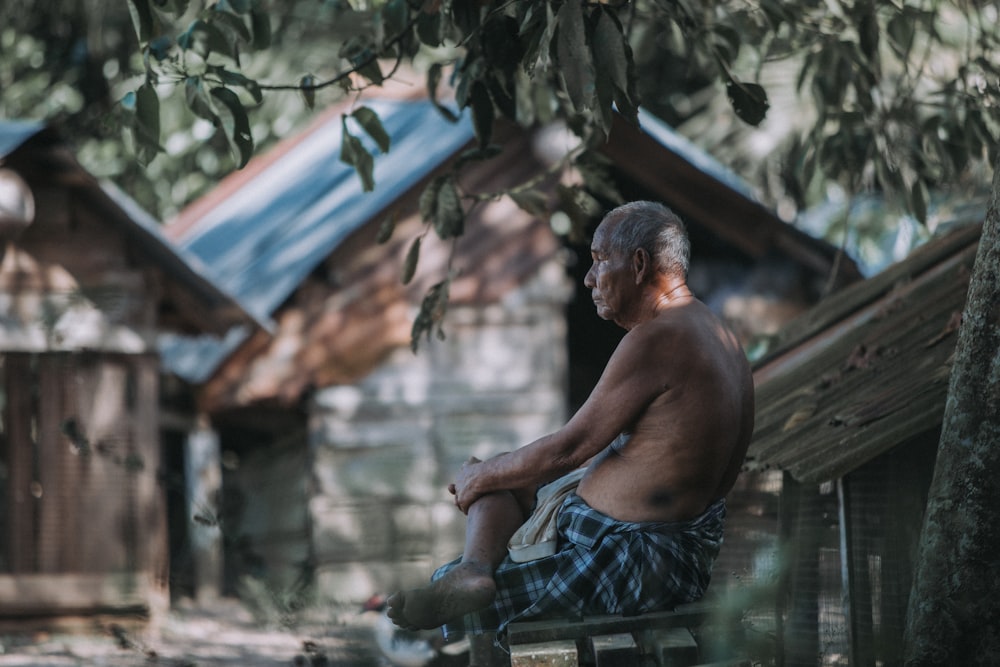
x=429 y=28
x=234 y=24
x=918 y=201
x=146 y=129
x=605 y=91
x=433 y=79
x=776 y=13
x=749 y=101
x=611 y=62
x=387 y=227
x=142 y=19
x=242 y=139
x=353 y=152
x=727 y=43
x=372 y=71
x=410 y=263
x=868 y=32
x=596 y=171
x=544 y=42
x=501 y=46
x=231 y=78
x=449 y=218
x=609 y=52
x=574 y=56
x=204 y=37
x=372 y=125
x=476 y=154
x=901 y=32
x=531 y=201
x=260 y=26
x=500 y=89
x=395 y=17
x=429 y=197
x=159 y=47
x=238 y=6
x=432 y=312
x=198 y=100
x=307 y=87
x=482 y=113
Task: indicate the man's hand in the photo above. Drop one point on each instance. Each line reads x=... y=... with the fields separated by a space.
x=461 y=488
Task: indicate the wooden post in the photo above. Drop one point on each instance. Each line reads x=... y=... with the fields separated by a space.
x=203 y=479
x=22 y=505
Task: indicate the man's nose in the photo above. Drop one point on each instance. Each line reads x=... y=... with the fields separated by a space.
x=588 y=280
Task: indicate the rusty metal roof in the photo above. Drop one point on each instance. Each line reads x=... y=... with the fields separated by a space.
x=865 y=370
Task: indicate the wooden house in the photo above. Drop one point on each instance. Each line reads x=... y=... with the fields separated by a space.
x=335 y=439
x=86 y=284
x=849 y=412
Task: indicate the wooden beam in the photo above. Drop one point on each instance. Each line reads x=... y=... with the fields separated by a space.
x=64 y=594
x=687 y=615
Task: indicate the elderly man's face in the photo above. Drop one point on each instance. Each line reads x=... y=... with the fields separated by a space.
x=610 y=279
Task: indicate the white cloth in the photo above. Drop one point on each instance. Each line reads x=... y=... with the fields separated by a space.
x=537 y=537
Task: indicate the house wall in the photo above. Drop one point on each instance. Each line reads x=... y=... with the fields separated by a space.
x=83 y=527
x=70 y=282
x=82 y=509
x=383 y=450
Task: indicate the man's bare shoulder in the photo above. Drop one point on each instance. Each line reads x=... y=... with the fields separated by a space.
x=679 y=324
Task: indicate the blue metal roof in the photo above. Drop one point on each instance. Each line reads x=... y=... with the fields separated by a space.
x=262 y=241
x=13 y=133
x=669 y=138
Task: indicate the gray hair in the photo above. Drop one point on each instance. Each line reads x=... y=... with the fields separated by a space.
x=654 y=228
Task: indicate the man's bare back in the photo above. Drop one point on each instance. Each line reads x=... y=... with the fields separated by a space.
x=686 y=448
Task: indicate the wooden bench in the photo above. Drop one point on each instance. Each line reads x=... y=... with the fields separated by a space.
x=660 y=639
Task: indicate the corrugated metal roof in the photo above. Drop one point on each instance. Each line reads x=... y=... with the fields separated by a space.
x=867 y=369
x=273 y=224
x=667 y=137
x=704 y=192
x=268 y=235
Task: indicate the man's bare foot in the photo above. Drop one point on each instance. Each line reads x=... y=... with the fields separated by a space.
x=464 y=589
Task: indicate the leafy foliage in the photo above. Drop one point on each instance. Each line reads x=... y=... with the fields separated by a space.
x=891 y=98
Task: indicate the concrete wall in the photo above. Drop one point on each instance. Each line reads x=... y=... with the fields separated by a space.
x=383 y=450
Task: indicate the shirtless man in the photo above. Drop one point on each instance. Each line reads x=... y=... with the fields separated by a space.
x=640 y=533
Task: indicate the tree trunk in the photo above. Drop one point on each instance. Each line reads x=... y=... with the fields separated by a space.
x=954 y=610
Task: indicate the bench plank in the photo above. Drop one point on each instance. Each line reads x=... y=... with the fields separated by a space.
x=527 y=632
x=618 y=650
x=545 y=654
x=671 y=647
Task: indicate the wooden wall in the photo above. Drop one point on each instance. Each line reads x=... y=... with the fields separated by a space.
x=83 y=520
x=376 y=456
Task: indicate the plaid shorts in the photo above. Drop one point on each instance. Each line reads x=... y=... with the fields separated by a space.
x=603 y=566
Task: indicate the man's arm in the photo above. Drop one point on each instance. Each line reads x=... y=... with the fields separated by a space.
x=634 y=376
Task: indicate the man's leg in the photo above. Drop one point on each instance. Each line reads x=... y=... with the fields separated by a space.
x=469 y=586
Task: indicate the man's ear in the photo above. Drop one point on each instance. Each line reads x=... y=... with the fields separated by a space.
x=641 y=265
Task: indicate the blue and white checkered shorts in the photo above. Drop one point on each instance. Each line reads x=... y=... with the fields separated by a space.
x=604 y=566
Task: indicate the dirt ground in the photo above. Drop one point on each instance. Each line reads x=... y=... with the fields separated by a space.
x=224 y=634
